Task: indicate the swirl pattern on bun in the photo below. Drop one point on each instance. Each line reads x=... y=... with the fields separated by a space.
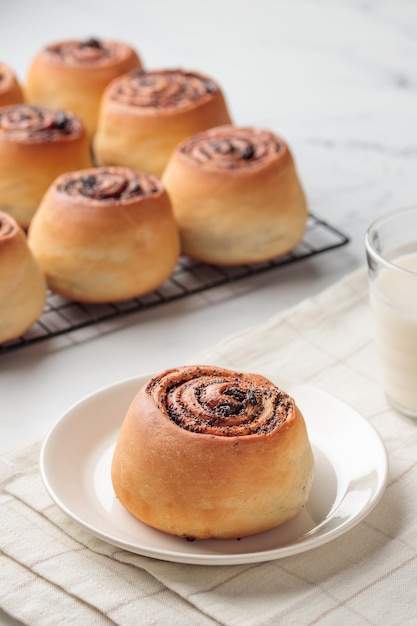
x=89 y=52
x=220 y=402
x=25 y=122
x=236 y=195
x=144 y=115
x=105 y=234
x=232 y=149
x=162 y=89
x=205 y=452
x=108 y=184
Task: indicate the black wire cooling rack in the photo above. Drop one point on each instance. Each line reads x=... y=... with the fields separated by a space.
x=62 y=316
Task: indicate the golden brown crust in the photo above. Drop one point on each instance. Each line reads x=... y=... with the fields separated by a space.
x=144 y=115
x=10 y=89
x=206 y=452
x=236 y=196
x=73 y=75
x=36 y=145
x=22 y=284
x=105 y=234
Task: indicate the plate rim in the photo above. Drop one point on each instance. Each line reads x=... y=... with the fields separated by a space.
x=283 y=551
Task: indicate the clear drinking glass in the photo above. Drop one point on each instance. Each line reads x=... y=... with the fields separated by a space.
x=391 y=248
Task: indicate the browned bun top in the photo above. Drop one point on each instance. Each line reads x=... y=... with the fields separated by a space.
x=30 y=123
x=108 y=184
x=8 y=226
x=90 y=52
x=162 y=89
x=222 y=402
x=231 y=148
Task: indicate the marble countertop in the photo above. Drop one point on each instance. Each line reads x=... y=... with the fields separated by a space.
x=337 y=80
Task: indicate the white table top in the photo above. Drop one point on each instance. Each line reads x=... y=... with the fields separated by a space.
x=336 y=80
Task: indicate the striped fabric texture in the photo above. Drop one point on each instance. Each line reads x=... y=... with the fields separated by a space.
x=54 y=572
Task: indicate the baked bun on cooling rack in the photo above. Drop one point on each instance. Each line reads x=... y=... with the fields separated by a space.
x=105 y=234
x=236 y=196
x=36 y=145
x=73 y=75
x=22 y=283
x=144 y=115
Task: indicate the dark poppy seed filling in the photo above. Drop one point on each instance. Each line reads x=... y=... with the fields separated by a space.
x=25 y=122
x=92 y=43
x=6 y=227
x=161 y=89
x=213 y=402
x=85 y=52
x=232 y=148
x=108 y=184
x=62 y=122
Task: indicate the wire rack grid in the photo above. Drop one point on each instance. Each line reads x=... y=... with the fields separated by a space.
x=62 y=316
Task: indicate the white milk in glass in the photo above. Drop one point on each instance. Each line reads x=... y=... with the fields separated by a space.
x=394 y=307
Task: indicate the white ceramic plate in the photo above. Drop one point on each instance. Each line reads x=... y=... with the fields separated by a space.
x=351 y=473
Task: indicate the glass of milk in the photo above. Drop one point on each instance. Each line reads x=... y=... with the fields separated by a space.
x=391 y=248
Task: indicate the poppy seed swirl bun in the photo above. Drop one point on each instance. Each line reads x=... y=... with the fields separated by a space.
x=144 y=115
x=236 y=196
x=37 y=144
x=73 y=75
x=105 y=234
x=207 y=452
x=22 y=283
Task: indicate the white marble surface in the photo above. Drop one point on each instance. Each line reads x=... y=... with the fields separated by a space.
x=337 y=79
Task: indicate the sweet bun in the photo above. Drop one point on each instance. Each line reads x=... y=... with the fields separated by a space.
x=36 y=145
x=105 y=234
x=144 y=115
x=22 y=283
x=73 y=75
x=10 y=88
x=236 y=196
x=205 y=452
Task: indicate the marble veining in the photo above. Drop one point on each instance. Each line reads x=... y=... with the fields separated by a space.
x=338 y=81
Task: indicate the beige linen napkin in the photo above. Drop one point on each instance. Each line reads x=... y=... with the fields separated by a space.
x=54 y=572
